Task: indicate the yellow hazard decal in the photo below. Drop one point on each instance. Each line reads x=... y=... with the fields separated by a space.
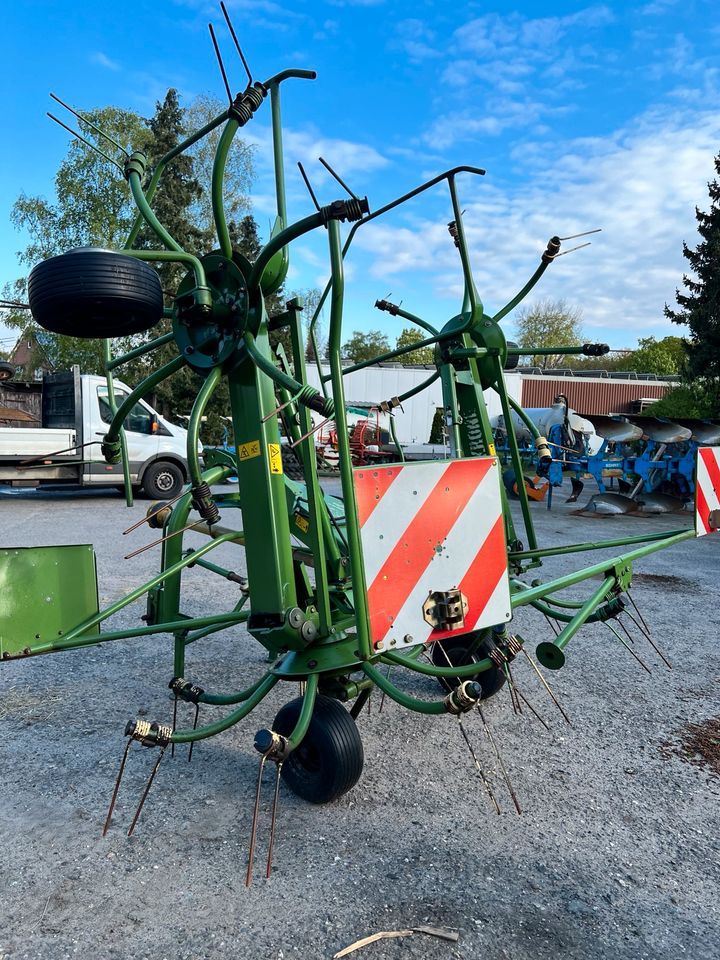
x=302 y=523
x=275 y=458
x=248 y=450
x=491 y=450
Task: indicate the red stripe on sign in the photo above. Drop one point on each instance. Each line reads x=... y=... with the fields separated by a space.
x=373 y=486
x=416 y=547
x=713 y=470
x=702 y=508
x=481 y=579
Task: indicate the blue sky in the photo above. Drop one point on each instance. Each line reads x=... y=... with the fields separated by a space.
x=584 y=115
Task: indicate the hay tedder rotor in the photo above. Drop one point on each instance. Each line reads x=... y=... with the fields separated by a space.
x=418 y=567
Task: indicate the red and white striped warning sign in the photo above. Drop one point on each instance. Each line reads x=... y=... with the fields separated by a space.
x=427 y=528
x=707 y=491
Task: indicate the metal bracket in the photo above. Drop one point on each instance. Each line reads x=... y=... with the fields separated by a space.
x=445 y=609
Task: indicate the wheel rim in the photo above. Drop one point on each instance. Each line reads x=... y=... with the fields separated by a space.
x=165 y=481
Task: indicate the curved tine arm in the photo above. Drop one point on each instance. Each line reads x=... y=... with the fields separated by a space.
x=193 y=434
x=202 y=733
x=218 y=176
x=289 y=75
x=163 y=162
x=306 y=712
x=523 y=293
x=471 y=295
x=148 y=215
x=404 y=699
x=280 y=240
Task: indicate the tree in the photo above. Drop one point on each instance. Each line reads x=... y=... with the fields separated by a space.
x=365 y=345
x=700 y=306
x=549 y=323
x=408 y=336
x=666 y=357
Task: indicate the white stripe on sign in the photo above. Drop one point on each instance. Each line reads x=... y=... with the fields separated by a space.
x=707 y=488
x=395 y=511
x=449 y=564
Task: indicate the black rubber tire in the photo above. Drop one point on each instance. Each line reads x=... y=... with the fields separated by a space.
x=7 y=370
x=330 y=758
x=511 y=362
x=292 y=467
x=162 y=480
x=91 y=293
x=458 y=650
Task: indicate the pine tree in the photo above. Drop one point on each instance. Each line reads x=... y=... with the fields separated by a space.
x=700 y=306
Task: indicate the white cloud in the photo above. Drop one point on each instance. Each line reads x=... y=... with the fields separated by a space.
x=641 y=186
x=104 y=61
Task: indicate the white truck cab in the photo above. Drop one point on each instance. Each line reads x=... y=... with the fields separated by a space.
x=65 y=446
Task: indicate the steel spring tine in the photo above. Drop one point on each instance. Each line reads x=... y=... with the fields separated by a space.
x=545 y=684
x=273 y=816
x=627 y=647
x=511 y=688
x=447 y=658
x=174 y=724
x=494 y=745
x=253 y=828
x=625 y=630
x=311 y=432
x=519 y=693
x=194 y=726
x=637 y=611
x=145 y=519
x=116 y=788
x=650 y=640
x=551 y=624
x=480 y=770
x=176 y=533
x=146 y=791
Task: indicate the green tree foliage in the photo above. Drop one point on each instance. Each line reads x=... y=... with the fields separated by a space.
x=699 y=306
x=364 y=345
x=549 y=323
x=687 y=401
x=92 y=206
x=666 y=357
x=408 y=336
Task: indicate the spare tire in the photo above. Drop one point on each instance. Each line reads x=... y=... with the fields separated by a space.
x=90 y=292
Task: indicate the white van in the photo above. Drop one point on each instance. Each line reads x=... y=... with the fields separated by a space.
x=64 y=411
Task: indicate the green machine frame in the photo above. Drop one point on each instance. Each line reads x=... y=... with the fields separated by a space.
x=315 y=627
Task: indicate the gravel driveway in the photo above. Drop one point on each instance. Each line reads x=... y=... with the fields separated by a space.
x=616 y=854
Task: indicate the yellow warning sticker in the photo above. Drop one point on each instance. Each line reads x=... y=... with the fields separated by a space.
x=275 y=458
x=248 y=450
x=491 y=450
x=302 y=522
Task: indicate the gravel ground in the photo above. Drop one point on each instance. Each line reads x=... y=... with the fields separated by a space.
x=616 y=854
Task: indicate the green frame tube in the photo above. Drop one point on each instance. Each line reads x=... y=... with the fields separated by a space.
x=212 y=729
x=193 y=435
x=140 y=351
x=359 y=587
x=432 y=707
